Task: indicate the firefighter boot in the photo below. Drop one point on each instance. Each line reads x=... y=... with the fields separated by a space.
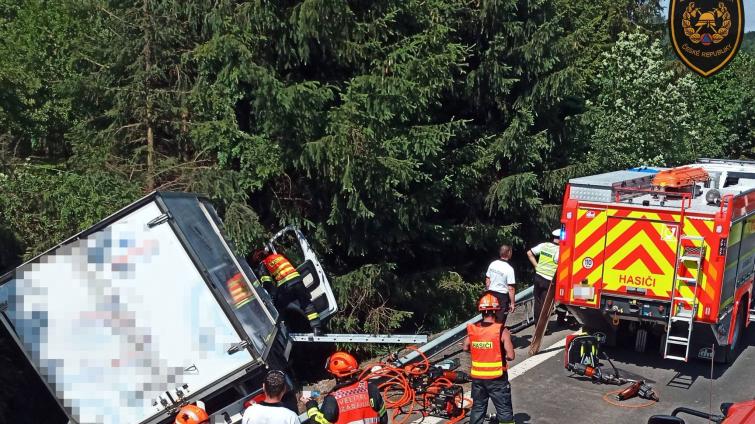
x=314 y=320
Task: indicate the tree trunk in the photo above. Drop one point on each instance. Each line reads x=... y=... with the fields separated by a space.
x=148 y=101
x=150 y=156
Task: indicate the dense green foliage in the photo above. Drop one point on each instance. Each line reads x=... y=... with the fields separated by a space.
x=408 y=138
x=642 y=112
x=748 y=43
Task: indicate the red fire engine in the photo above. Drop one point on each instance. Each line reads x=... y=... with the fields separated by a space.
x=663 y=252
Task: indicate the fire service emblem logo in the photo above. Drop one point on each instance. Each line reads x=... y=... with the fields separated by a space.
x=706 y=34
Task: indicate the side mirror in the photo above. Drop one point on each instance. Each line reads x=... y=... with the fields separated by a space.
x=665 y=419
x=725 y=408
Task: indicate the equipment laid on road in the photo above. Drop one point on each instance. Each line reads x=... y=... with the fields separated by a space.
x=582 y=349
x=638 y=388
x=596 y=374
x=445 y=401
x=581 y=358
x=422 y=389
x=666 y=252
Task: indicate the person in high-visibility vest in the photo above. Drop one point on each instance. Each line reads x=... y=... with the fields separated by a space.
x=352 y=401
x=489 y=344
x=240 y=293
x=545 y=269
x=285 y=285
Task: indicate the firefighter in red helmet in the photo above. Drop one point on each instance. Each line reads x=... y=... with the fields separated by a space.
x=284 y=283
x=490 y=346
x=192 y=414
x=351 y=400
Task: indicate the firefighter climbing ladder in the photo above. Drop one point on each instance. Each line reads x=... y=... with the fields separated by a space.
x=683 y=309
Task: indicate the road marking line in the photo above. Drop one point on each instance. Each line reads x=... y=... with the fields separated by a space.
x=536 y=360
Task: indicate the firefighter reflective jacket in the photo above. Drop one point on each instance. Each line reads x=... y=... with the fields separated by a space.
x=280 y=268
x=350 y=403
x=546 y=261
x=486 y=351
x=240 y=293
x=354 y=405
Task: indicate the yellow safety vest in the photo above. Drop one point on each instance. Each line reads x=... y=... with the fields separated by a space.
x=546 y=262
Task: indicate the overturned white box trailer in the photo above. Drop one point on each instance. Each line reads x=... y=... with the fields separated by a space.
x=133 y=317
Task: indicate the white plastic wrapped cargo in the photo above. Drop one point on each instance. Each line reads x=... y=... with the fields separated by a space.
x=116 y=317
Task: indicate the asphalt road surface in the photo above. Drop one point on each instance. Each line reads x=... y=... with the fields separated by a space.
x=545 y=393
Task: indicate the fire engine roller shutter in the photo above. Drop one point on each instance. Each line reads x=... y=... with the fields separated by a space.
x=640 y=253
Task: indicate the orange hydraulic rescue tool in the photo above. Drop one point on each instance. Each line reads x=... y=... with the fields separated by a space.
x=683 y=176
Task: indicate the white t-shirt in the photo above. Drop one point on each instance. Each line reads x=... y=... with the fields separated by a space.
x=261 y=413
x=501 y=276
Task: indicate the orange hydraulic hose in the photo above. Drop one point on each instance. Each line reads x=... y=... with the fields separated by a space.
x=397 y=382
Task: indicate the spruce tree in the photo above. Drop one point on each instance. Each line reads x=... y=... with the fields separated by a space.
x=139 y=78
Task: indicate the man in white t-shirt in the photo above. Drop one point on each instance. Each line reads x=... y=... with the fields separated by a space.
x=500 y=282
x=271 y=410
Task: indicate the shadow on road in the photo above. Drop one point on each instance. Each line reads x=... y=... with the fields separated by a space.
x=520 y=342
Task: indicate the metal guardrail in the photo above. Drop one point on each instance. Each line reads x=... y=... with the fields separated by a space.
x=524 y=299
x=359 y=338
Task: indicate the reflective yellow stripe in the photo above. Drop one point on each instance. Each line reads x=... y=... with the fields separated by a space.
x=289 y=277
x=243 y=302
x=315 y=414
x=313 y=316
x=276 y=261
x=481 y=373
x=283 y=269
x=487 y=364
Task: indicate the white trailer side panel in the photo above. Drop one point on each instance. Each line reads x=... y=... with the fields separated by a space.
x=113 y=320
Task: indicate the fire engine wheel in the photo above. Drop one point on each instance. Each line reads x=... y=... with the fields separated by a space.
x=731 y=351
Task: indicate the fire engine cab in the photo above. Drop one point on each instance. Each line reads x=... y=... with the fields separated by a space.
x=662 y=252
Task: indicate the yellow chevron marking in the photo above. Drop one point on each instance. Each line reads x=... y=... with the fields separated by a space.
x=615 y=279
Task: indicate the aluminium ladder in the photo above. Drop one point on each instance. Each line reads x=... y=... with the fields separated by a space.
x=683 y=309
